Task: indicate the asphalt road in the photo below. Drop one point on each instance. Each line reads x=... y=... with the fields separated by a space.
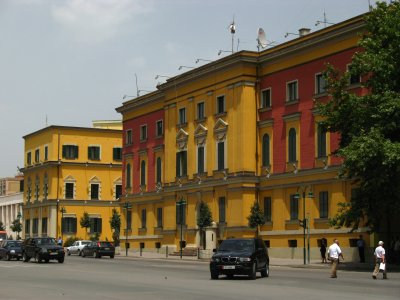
x=129 y=278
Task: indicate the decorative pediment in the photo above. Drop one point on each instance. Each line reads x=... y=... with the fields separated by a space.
x=94 y=179
x=181 y=139
x=200 y=134
x=220 y=129
x=118 y=180
x=69 y=178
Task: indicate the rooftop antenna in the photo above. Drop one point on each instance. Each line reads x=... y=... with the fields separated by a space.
x=232 y=28
x=46 y=121
x=261 y=39
x=137 y=87
x=325 y=21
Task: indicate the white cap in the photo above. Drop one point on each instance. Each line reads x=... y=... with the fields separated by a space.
x=380 y=243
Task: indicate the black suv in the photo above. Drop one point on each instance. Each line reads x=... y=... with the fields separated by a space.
x=240 y=256
x=42 y=248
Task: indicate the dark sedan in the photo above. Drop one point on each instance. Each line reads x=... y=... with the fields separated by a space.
x=10 y=249
x=99 y=249
x=42 y=248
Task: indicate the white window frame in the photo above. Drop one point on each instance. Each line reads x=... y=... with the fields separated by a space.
x=317 y=91
x=270 y=98
x=143 y=132
x=288 y=100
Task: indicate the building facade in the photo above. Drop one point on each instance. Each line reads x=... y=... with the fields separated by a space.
x=70 y=171
x=240 y=130
x=11 y=194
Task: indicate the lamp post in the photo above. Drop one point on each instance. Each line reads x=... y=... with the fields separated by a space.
x=19 y=216
x=127 y=206
x=304 y=223
x=181 y=204
x=63 y=211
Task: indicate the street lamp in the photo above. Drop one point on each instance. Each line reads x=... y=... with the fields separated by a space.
x=127 y=206
x=19 y=216
x=304 y=223
x=62 y=211
x=181 y=204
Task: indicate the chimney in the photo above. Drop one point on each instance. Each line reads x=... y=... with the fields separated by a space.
x=304 y=31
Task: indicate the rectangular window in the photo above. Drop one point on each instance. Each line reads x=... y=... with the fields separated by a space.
x=94 y=152
x=294 y=207
x=129 y=137
x=182 y=116
x=69 y=190
x=200 y=111
x=44 y=226
x=27 y=227
x=320 y=84
x=29 y=158
x=267 y=209
x=143 y=132
x=94 y=191
x=181 y=163
x=35 y=226
x=69 y=225
x=354 y=78
x=221 y=155
x=180 y=213
x=266 y=98
x=200 y=160
x=323 y=205
x=46 y=153
x=221 y=209
x=70 y=151
x=118 y=191
x=143 y=218
x=159 y=128
x=321 y=142
x=95 y=225
x=117 y=153
x=129 y=219
x=159 y=217
x=37 y=155
x=291 y=91
x=220 y=104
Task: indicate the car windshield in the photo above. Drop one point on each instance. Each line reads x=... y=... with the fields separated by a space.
x=105 y=244
x=46 y=241
x=14 y=244
x=237 y=245
x=85 y=243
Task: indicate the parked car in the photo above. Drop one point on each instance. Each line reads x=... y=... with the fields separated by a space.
x=42 y=248
x=98 y=249
x=10 y=249
x=76 y=247
x=240 y=256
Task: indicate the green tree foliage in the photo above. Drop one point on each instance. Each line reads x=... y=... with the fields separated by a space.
x=115 y=223
x=256 y=217
x=85 y=220
x=204 y=219
x=369 y=125
x=16 y=226
x=2 y=226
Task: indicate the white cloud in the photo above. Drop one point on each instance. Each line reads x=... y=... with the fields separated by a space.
x=96 y=21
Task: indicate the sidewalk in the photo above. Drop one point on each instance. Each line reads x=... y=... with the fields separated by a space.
x=277 y=262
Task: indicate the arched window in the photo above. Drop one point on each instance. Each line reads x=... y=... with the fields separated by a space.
x=128 y=175
x=158 y=170
x=321 y=141
x=265 y=150
x=143 y=173
x=292 y=145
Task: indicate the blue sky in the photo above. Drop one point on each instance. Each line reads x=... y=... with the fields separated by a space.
x=72 y=61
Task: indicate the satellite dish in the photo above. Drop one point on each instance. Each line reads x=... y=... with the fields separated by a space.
x=261 y=39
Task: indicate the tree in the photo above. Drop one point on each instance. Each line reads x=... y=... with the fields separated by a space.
x=369 y=125
x=204 y=220
x=256 y=217
x=16 y=226
x=2 y=226
x=85 y=221
x=115 y=223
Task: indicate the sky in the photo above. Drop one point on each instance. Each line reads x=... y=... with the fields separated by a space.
x=69 y=62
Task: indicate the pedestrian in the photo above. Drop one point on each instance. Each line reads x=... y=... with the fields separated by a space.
x=323 y=250
x=334 y=252
x=59 y=241
x=380 y=261
x=361 y=249
x=397 y=250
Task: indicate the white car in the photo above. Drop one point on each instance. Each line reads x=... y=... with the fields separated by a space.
x=76 y=247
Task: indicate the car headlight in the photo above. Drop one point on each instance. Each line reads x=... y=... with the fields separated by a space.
x=12 y=251
x=244 y=259
x=215 y=259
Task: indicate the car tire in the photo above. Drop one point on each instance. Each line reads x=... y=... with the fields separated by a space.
x=265 y=271
x=38 y=259
x=47 y=261
x=79 y=253
x=214 y=275
x=61 y=260
x=111 y=256
x=230 y=276
x=18 y=258
x=25 y=257
x=69 y=253
x=253 y=272
x=8 y=256
x=83 y=254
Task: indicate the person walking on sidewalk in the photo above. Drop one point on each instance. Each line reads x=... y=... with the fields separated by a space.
x=361 y=248
x=334 y=252
x=380 y=259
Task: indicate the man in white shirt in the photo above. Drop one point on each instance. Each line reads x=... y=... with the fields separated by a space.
x=334 y=252
x=379 y=258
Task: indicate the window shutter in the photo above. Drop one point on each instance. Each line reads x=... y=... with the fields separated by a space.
x=64 y=151
x=184 y=159
x=178 y=171
x=221 y=152
x=200 y=160
x=74 y=222
x=100 y=223
x=76 y=151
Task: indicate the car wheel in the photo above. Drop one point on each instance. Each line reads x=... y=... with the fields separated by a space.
x=38 y=259
x=111 y=256
x=265 y=271
x=25 y=257
x=252 y=274
x=18 y=258
x=68 y=252
x=214 y=275
x=47 y=261
x=230 y=276
x=8 y=256
x=83 y=254
x=61 y=260
x=79 y=253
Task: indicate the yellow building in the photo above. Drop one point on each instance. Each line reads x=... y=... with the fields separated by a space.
x=236 y=131
x=69 y=171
